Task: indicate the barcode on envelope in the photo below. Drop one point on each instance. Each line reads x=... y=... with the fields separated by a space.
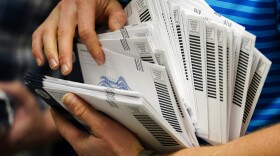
x=139 y=65
x=147 y=59
x=166 y=106
x=179 y=33
x=112 y=104
x=211 y=70
x=125 y=44
x=195 y=53
x=145 y=16
x=124 y=33
x=111 y=98
x=159 y=134
x=228 y=67
x=176 y=99
x=240 y=78
x=221 y=74
x=253 y=88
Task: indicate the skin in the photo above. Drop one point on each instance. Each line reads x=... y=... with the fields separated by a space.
x=55 y=36
x=113 y=139
x=31 y=126
x=260 y=143
x=110 y=138
x=56 y=33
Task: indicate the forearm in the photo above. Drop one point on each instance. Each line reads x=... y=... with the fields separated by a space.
x=264 y=142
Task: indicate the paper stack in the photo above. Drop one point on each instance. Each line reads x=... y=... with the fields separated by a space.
x=190 y=71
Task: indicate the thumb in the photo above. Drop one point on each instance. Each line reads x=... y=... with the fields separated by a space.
x=116 y=14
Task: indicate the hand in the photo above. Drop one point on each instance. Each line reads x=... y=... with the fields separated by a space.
x=110 y=138
x=57 y=32
x=31 y=126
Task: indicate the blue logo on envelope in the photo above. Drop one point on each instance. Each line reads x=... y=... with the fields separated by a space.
x=119 y=84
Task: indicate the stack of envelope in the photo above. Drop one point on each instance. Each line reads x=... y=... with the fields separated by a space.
x=177 y=71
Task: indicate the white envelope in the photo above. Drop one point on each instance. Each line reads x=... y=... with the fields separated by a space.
x=122 y=71
x=138 y=48
x=254 y=90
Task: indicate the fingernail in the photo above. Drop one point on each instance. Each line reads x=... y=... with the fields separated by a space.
x=64 y=69
x=53 y=63
x=99 y=62
x=117 y=26
x=38 y=61
x=101 y=59
x=68 y=99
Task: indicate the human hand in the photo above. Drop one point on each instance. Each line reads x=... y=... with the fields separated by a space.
x=31 y=126
x=110 y=138
x=57 y=31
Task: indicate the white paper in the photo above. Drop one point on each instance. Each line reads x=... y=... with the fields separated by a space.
x=138 y=48
x=254 y=90
x=121 y=71
x=241 y=84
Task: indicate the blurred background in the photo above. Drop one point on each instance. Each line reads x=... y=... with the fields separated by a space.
x=18 y=20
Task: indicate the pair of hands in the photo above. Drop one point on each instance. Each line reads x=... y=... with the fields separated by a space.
x=56 y=35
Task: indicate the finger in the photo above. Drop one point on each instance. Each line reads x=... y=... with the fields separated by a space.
x=67 y=130
x=97 y=122
x=66 y=32
x=116 y=14
x=49 y=39
x=86 y=28
x=37 y=46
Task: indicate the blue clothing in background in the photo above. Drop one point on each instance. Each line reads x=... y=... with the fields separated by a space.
x=261 y=18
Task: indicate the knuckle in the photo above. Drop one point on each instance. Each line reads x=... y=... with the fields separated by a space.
x=79 y=2
x=59 y=5
x=79 y=110
x=36 y=42
x=85 y=32
x=49 y=31
x=62 y=4
x=63 y=56
x=61 y=33
x=35 y=35
x=48 y=50
x=35 y=49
